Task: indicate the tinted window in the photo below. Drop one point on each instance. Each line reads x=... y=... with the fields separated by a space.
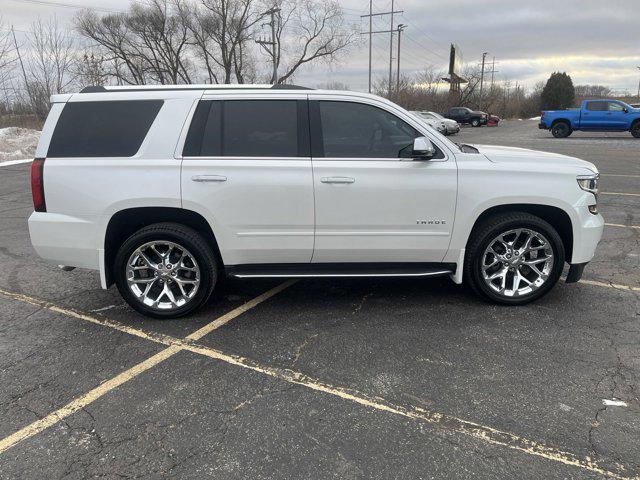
x=260 y=128
x=103 y=129
x=597 y=106
x=205 y=132
x=364 y=131
x=245 y=128
x=615 y=107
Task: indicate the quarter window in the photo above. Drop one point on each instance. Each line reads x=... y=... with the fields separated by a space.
x=355 y=130
x=103 y=129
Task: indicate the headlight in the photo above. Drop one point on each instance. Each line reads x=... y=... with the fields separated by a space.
x=589 y=183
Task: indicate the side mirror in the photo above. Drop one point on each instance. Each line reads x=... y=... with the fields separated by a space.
x=423 y=149
x=626 y=110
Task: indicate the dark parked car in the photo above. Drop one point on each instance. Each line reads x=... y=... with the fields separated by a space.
x=466 y=115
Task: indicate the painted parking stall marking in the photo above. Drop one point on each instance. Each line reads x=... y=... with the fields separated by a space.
x=175 y=345
x=440 y=420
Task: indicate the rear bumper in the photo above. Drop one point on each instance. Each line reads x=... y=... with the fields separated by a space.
x=542 y=126
x=64 y=240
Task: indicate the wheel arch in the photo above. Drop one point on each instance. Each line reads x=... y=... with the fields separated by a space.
x=557 y=217
x=126 y=222
x=561 y=120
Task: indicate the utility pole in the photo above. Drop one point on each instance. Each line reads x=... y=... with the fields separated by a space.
x=391 y=47
x=638 y=87
x=270 y=46
x=484 y=56
x=370 y=39
x=401 y=27
x=493 y=70
x=371 y=33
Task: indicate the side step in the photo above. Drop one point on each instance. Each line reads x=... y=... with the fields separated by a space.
x=329 y=270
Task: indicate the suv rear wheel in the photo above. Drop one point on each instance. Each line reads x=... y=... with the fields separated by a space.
x=514 y=258
x=165 y=270
x=475 y=122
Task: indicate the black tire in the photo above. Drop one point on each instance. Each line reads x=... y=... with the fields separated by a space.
x=635 y=129
x=183 y=236
x=561 y=130
x=488 y=230
x=475 y=122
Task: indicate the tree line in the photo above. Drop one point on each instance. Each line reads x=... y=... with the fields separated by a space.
x=171 y=42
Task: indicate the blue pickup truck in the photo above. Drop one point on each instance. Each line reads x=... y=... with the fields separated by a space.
x=593 y=116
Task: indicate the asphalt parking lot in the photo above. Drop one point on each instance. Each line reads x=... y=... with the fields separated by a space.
x=366 y=378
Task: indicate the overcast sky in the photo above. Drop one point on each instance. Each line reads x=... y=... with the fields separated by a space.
x=595 y=41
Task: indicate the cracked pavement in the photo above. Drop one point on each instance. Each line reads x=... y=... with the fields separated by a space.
x=540 y=371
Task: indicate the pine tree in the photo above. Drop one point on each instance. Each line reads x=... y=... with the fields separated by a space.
x=558 y=93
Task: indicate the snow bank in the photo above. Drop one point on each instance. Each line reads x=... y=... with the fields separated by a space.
x=537 y=119
x=17 y=143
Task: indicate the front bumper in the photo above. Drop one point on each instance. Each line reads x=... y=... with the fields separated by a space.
x=587 y=233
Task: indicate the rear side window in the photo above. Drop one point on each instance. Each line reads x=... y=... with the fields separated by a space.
x=248 y=128
x=103 y=129
x=598 y=106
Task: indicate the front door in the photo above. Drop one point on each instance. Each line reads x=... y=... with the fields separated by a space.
x=247 y=170
x=373 y=202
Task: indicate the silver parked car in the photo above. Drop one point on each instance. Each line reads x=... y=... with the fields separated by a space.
x=451 y=127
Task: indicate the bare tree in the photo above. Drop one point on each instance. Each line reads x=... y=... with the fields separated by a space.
x=146 y=44
x=49 y=65
x=221 y=30
x=308 y=31
x=7 y=61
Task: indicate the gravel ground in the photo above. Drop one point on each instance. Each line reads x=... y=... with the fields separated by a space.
x=367 y=378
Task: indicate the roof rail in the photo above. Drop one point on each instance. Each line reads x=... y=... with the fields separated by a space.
x=152 y=88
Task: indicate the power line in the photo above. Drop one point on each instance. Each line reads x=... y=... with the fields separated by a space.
x=68 y=5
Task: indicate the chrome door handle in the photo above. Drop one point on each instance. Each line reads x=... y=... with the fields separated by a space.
x=209 y=178
x=337 y=180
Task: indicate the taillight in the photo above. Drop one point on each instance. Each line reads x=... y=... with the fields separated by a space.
x=541 y=115
x=37 y=185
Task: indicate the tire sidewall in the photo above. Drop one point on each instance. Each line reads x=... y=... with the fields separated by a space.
x=536 y=225
x=475 y=123
x=207 y=275
x=560 y=130
x=635 y=130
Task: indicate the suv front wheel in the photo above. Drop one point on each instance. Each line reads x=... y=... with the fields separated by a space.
x=165 y=270
x=514 y=258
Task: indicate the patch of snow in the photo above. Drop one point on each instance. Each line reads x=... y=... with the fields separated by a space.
x=614 y=403
x=537 y=119
x=17 y=143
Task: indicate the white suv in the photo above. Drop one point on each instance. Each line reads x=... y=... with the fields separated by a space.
x=165 y=189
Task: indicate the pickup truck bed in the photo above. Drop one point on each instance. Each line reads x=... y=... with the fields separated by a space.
x=595 y=116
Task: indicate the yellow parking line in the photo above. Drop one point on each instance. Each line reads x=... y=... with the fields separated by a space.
x=175 y=345
x=619 y=225
x=84 y=400
x=617 y=286
x=446 y=422
x=620 y=193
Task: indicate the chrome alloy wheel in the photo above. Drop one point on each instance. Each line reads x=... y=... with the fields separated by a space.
x=517 y=262
x=163 y=275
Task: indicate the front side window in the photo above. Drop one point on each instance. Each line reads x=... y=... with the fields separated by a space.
x=103 y=129
x=615 y=107
x=245 y=128
x=355 y=130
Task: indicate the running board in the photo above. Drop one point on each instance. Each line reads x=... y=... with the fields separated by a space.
x=337 y=270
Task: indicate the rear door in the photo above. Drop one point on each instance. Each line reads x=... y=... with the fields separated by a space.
x=373 y=202
x=595 y=115
x=246 y=168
